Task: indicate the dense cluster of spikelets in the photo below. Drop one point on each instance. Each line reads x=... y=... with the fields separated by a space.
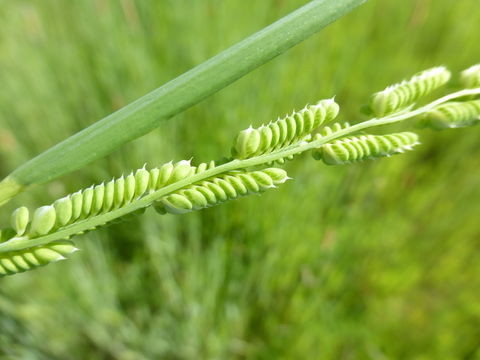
x=404 y=94
x=281 y=133
x=453 y=115
x=364 y=147
x=182 y=187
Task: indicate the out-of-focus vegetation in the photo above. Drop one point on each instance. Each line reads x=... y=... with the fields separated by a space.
x=371 y=261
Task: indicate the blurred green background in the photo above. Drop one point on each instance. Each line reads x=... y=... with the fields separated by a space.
x=370 y=261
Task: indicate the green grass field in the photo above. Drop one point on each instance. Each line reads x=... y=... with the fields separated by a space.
x=371 y=261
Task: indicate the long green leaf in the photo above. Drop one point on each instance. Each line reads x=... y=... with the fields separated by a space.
x=145 y=114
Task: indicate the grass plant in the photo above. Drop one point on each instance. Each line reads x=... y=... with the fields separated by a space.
x=181 y=187
x=372 y=260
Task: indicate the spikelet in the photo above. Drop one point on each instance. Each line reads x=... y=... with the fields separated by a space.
x=20 y=219
x=220 y=189
x=43 y=220
x=471 y=77
x=453 y=115
x=23 y=260
x=399 y=96
x=355 y=149
x=283 y=132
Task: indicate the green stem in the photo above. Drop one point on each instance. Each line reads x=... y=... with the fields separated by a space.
x=18 y=243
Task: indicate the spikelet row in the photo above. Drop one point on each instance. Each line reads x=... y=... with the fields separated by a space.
x=471 y=77
x=220 y=189
x=453 y=115
x=404 y=94
x=101 y=198
x=355 y=149
x=23 y=260
x=283 y=132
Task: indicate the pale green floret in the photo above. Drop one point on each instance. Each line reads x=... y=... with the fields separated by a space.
x=87 y=200
x=181 y=170
x=249 y=182
x=228 y=188
x=64 y=248
x=237 y=184
x=373 y=145
x=109 y=195
x=331 y=110
x=206 y=192
x=177 y=204
x=351 y=148
x=364 y=146
x=292 y=131
x=198 y=200
x=46 y=255
x=20 y=262
x=361 y=153
x=453 y=115
x=142 y=179
x=220 y=194
x=64 y=210
x=165 y=174
x=119 y=192
x=247 y=143
x=266 y=138
x=400 y=96
x=471 y=77
x=129 y=188
x=20 y=219
x=98 y=198
x=77 y=202
x=278 y=176
x=31 y=259
x=262 y=179
x=43 y=220
x=153 y=179
x=8 y=266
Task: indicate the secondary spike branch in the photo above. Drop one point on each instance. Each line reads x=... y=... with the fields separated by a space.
x=365 y=147
x=283 y=132
x=399 y=96
x=453 y=115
